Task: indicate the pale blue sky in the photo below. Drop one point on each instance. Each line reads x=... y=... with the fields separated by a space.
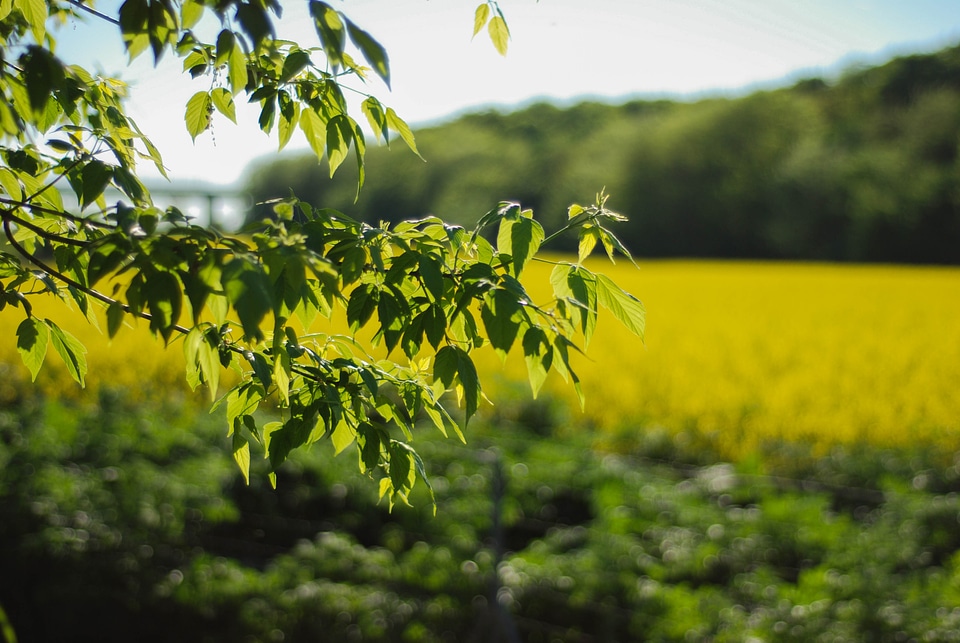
x=560 y=49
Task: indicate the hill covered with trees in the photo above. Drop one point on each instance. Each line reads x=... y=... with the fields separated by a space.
x=864 y=168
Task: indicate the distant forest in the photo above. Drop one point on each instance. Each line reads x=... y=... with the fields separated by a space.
x=864 y=168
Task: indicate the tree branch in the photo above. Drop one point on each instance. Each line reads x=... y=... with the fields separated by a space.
x=53 y=272
x=94 y=12
x=57 y=213
x=50 y=236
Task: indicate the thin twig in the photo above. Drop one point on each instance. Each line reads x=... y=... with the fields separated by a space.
x=76 y=284
x=50 y=236
x=57 y=213
x=94 y=12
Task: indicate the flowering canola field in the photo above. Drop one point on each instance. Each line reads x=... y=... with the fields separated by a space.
x=740 y=353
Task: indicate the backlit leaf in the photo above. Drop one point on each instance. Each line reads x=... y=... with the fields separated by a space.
x=237 y=68
x=538 y=356
x=499 y=34
x=35 y=13
x=315 y=130
x=197 y=116
x=241 y=454
x=330 y=30
x=372 y=51
x=223 y=100
x=32 y=339
x=624 y=306
x=480 y=17
x=71 y=351
x=398 y=125
x=339 y=136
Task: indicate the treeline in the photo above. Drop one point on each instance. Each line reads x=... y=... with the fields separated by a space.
x=864 y=168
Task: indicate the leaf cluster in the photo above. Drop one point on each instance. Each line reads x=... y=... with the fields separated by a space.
x=427 y=290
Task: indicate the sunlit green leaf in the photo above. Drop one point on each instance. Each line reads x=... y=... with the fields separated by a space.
x=342 y=437
x=190 y=13
x=71 y=351
x=398 y=125
x=32 y=338
x=35 y=13
x=538 y=356
x=339 y=136
x=314 y=128
x=223 y=100
x=499 y=34
x=480 y=17
x=330 y=30
x=241 y=454
x=237 y=68
x=624 y=306
x=197 y=116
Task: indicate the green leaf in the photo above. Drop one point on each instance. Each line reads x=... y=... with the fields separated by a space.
x=499 y=34
x=293 y=64
x=32 y=338
x=225 y=42
x=339 y=136
x=223 y=100
x=35 y=13
x=480 y=17
x=624 y=306
x=255 y=22
x=244 y=399
x=588 y=241
x=10 y=184
x=469 y=380
x=520 y=237
x=500 y=315
x=402 y=471
x=197 y=116
x=237 y=68
x=250 y=292
x=208 y=358
x=538 y=356
x=445 y=367
x=314 y=128
x=583 y=285
x=164 y=301
x=289 y=117
x=342 y=437
x=241 y=454
x=190 y=13
x=373 y=110
x=42 y=74
x=115 y=315
x=372 y=51
x=95 y=177
x=398 y=125
x=71 y=351
x=330 y=30
x=432 y=276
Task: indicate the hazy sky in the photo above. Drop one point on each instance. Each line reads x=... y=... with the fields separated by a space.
x=560 y=49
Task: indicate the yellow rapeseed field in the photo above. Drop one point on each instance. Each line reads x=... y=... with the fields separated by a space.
x=738 y=352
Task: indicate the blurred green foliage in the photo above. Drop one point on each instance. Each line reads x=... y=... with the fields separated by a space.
x=861 y=169
x=126 y=523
